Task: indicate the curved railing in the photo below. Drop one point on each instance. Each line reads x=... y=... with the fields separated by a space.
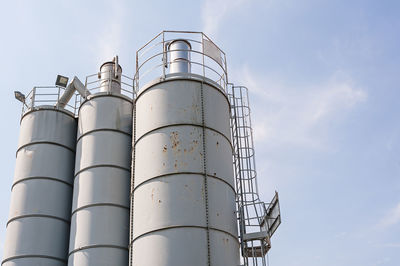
x=93 y=83
x=50 y=95
x=257 y=220
x=47 y=96
x=242 y=135
x=206 y=59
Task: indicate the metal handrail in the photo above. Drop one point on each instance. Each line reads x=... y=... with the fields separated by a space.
x=46 y=96
x=251 y=210
x=155 y=43
x=93 y=84
x=192 y=62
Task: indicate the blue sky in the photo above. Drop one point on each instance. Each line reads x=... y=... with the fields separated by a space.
x=324 y=82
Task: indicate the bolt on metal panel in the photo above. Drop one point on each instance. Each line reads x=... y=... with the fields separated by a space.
x=38 y=229
x=184 y=197
x=100 y=212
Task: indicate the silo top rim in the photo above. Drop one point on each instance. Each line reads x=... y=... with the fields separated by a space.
x=180 y=40
x=110 y=62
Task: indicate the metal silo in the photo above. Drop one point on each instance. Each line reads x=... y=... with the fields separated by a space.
x=38 y=229
x=183 y=203
x=100 y=209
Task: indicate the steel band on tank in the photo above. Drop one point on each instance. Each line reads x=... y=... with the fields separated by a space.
x=37 y=216
x=40 y=178
x=45 y=142
x=102 y=94
x=101 y=130
x=184 y=226
x=101 y=165
x=188 y=78
x=182 y=173
x=98 y=205
x=96 y=246
x=182 y=124
x=33 y=256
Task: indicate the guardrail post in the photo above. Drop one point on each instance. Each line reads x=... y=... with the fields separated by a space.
x=33 y=97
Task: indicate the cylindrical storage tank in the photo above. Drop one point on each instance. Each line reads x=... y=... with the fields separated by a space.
x=38 y=229
x=179 y=53
x=100 y=208
x=183 y=195
x=110 y=81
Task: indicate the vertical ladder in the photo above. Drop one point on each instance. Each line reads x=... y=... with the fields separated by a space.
x=257 y=220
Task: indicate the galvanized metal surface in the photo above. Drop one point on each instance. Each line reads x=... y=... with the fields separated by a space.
x=49 y=96
x=184 y=197
x=110 y=77
x=179 y=51
x=100 y=212
x=75 y=86
x=38 y=229
x=204 y=59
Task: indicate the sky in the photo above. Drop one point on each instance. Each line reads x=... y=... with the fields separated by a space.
x=324 y=89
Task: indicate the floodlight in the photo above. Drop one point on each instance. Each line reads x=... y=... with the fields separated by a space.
x=19 y=96
x=61 y=81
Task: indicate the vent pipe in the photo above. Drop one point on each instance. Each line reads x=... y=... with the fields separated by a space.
x=110 y=76
x=75 y=85
x=179 y=51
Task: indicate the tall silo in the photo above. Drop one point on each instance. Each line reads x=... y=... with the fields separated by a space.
x=100 y=209
x=183 y=203
x=38 y=229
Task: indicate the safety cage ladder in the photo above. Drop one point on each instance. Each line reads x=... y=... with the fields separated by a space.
x=257 y=220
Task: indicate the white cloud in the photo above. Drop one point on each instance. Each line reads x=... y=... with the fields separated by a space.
x=294 y=115
x=215 y=11
x=391 y=218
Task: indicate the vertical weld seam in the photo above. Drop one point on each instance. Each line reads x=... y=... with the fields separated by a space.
x=205 y=174
x=132 y=185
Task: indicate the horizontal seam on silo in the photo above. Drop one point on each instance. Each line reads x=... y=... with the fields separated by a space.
x=103 y=129
x=32 y=256
x=45 y=142
x=101 y=165
x=183 y=124
x=96 y=246
x=104 y=95
x=98 y=205
x=184 y=79
x=43 y=178
x=183 y=173
x=185 y=226
x=37 y=216
x=49 y=109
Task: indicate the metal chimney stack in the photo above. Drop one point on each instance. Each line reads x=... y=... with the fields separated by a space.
x=179 y=52
x=110 y=77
